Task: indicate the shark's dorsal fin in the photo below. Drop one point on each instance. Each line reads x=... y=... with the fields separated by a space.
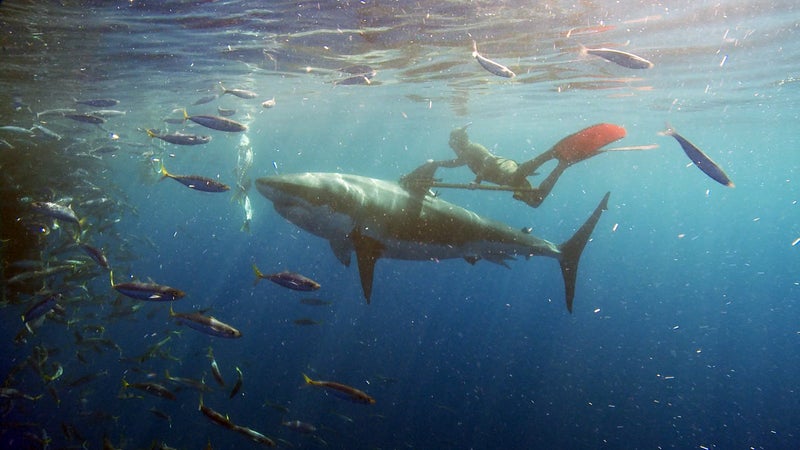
x=368 y=251
x=342 y=249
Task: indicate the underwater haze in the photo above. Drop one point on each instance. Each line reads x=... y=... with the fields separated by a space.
x=685 y=326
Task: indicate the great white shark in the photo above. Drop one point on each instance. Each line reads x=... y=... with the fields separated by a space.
x=381 y=219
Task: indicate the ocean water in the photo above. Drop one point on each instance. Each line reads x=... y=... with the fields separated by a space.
x=685 y=330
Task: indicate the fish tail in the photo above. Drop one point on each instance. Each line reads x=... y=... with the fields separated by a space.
x=669 y=131
x=125 y=384
x=474 y=49
x=163 y=171
x=171 y=314
x=150 y=133
x=224 y=91
x=258 y=273
x=307 y=379
x=81 y=229
x=583 y=50
x=185 y=115
x=571 y=250
x=111 y=277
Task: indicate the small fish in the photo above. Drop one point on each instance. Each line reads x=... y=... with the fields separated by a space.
x=289 y=280
x=196 y=182
x=87 y=378
x=491 y=66
x=39 y=309
x=305 y=321
x=354 y=80
x=38 y=274
x=17 y=130
x=238 y=384
x=206 y=99
x=56 y=375
x=56 y=211
x=216 y=417
x=618 y=57
x=205 y=324
x=146 y=291
x=85 y=118
x=97 y=255
x=225 y=112
x=342 y=390
x=107 y=113
x=179 y=138
x=14 y=394
x=98 y=102
x=106 y=149
x=198 y=385
x=254 y=435
x=268 y=103
x=151 y=388
x=241 y=93
x=46 y=131
x=18 y=104
x=161 y=415
x=277 y=407
x=314 y=302
x=216 y=123
x=700 y=159
x=56 y=112
x=215 y=368
x=300 y=427
x=359 y=69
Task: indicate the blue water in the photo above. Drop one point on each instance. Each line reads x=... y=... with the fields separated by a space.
x=684 y=332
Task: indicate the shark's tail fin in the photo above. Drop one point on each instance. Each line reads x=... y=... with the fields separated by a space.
x=571 y=250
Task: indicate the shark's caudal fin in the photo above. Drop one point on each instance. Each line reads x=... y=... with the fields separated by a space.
x=571 y=250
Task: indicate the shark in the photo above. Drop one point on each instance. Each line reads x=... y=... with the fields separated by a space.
x=379 y=219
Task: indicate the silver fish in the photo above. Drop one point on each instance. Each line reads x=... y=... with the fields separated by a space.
x=241 y=93
x=216 y=123
x=107 y=113
x=491 y=66
x=98 y=102
x=619 y=57
x=206 y=324
x=56 y=112
x=56 y=211
x=18 y=130
x=46 y=131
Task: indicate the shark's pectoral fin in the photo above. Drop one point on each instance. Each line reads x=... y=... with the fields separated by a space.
x=472 y=259
x=368 y=251
x=342 y=249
